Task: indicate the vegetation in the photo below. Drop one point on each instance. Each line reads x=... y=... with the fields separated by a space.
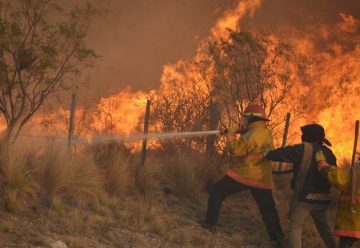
x=92 y=199
x=41 y=48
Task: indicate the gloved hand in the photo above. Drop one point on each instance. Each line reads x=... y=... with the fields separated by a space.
x=224 y=131
x=241 y=130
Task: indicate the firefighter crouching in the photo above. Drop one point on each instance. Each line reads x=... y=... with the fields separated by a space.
x=347 y=180
x=248 y=173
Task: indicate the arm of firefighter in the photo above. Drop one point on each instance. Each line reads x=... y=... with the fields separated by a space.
x=261 y=155
x=338 y=177
x=238 y=147
x=287 y=154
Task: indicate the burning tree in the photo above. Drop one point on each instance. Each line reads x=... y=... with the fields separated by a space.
x=181 y=103
x=253 y=67
x=41 y=47
x=217 y=84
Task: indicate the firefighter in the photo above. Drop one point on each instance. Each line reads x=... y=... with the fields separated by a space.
x=250 y=174
x=347 y=225
x=311 y=191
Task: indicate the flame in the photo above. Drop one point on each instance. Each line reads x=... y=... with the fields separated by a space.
x=233 y=16
x=120 y=113
x=328 y=94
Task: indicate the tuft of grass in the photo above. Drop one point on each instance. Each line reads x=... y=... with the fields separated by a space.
x=67 y=177
x=17 y=176
x=155 y=223
x=138 y=214
x=146 y=184
x=74 y=222
x=181 y=176
x=114 y=161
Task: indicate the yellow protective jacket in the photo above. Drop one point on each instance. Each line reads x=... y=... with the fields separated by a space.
x=348 y=215
x=245 y=169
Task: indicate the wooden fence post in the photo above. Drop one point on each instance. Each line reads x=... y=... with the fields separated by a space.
x=72 y=120
x=146 y=129
x=354 y=174
x=357 y=125
x=279 y=167
x=286 y=132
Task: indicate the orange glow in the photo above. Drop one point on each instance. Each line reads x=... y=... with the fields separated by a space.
x=328 y=94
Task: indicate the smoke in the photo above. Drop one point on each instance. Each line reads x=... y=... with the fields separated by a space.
x=279 y=13
x=138 y=37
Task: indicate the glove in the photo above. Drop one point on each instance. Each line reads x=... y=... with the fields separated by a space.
x=224 y=131
x=241 y=130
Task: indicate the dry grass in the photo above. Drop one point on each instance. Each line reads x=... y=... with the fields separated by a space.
x=114 y=162
x=17 y=179
x=67 y=177
x=102 y=196
x=188 y=177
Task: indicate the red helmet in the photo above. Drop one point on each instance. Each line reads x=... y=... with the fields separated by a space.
x=255 y=110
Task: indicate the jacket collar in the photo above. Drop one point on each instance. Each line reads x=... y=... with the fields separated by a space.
x=257 y=124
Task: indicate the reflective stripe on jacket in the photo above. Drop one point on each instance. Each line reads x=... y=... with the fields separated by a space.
x=252 y=172
x=348 y=215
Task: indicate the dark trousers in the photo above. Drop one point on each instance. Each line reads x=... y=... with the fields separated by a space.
x=263 y=197
x=347 y=242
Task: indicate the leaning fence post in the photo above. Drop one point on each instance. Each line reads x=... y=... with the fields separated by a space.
x=146 y=129
x=72 y=120
x=354 y=179
x=286 y=132
x=357 y=124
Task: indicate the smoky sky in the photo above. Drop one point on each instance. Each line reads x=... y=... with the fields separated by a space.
x=138 y=37
x=275 y=13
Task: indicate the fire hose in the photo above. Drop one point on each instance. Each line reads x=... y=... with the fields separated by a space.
x=150 y=136
x=138 y=137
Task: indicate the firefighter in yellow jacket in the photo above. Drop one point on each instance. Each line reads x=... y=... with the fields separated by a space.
x=247 y=173
x=347 y=225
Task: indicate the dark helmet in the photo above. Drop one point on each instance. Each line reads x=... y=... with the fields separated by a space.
x=314 y=133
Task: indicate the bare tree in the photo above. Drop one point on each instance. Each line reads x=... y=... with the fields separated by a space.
x=41 y=48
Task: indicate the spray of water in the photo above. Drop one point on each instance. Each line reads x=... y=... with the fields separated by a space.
x=137 y=137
